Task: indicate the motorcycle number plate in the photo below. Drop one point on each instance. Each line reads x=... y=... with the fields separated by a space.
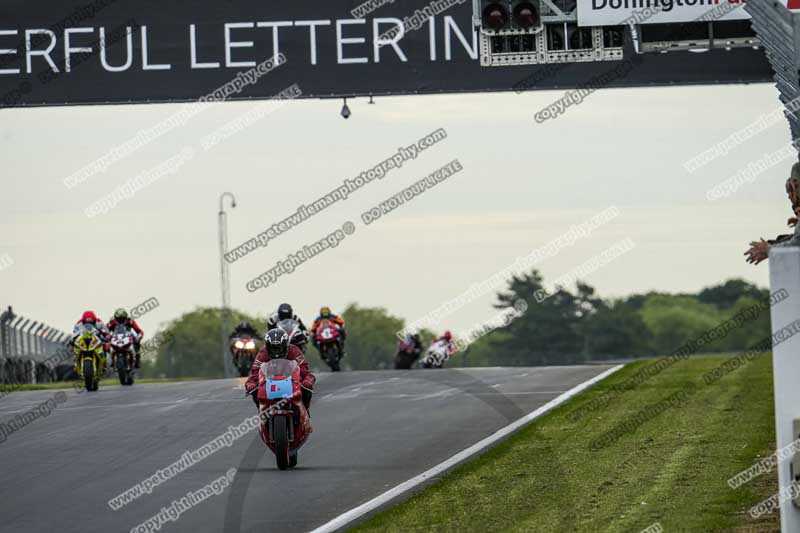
x=326 y=334
x=277 y=389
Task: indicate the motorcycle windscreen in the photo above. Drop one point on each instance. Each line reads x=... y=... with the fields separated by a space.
x=85 y=328
x=292 y=328
x=287 y=325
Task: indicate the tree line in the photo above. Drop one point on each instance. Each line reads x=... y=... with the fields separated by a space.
x=572 y=325
x=576 y=325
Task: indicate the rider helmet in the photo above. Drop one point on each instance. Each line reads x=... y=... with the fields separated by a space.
x=244 y=325
x=277 y=344
x=285 y=311
x=447 y=335
x=89 y=317
x=121 y=315
x=325 y=312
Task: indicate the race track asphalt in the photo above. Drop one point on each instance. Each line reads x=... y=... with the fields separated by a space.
x=372 y=430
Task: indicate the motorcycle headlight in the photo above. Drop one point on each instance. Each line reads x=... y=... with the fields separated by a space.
x=239 y=344
x=250 y=345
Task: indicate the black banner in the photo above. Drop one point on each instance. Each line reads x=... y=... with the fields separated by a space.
x=182 y=50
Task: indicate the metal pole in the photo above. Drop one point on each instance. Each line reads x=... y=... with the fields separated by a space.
x=58 y=339
x=29 y=339
x=225 y=281
x=43 y=339
x=5 y=344
x=5 y=340
x=15 y=349
x=39 y=342
x=36 y=352
x=22 y=338
x=47 y=341
x=23 y=368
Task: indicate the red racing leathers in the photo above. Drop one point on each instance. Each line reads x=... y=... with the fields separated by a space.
x=307 y=379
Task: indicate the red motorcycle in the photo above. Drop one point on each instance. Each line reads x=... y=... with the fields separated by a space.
x=122 y=356
x=407 y=353
x=327 y=336
x=285 y=423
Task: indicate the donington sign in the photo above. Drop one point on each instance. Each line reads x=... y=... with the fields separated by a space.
x=610 y=12
x=117 y=51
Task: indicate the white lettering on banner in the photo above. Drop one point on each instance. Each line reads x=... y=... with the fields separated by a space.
x=234 y=45
x=229 y=44
x=145 y=56
x=614 y=12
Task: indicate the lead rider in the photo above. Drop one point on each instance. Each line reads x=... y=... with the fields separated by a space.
x=277 y=347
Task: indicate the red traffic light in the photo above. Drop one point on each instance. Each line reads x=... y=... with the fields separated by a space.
x=525 y=15
x=495 y=16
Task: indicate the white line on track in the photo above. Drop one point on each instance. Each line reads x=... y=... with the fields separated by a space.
x=172 y=403
x=354 y=514
x=170 y=407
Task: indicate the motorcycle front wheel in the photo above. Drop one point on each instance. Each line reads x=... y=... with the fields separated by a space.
x=121 y=372
x=403 y=362
x=332 y=358
x=88 y=374
x=280 y=430
x=244 y=366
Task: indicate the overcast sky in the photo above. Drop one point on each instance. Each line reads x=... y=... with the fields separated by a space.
x=523 y=184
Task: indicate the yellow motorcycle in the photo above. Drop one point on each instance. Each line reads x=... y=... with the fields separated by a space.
x=89 y=358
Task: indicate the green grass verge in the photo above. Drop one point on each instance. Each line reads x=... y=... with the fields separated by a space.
x=672 y=468
x=103 y=383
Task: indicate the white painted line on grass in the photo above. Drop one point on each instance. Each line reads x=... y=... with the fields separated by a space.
x=356 y=513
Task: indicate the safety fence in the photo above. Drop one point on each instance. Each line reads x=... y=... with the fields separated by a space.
x=31 y=351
